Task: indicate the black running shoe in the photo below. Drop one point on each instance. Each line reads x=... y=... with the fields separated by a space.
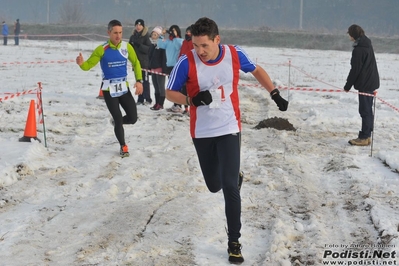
x=234 y=251
x=240 y=179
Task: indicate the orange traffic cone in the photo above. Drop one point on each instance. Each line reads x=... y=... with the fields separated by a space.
x=30 y=127
x=100 y=94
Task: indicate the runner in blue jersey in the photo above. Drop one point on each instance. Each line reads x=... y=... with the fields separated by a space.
x=211 y=74
x=113 y=56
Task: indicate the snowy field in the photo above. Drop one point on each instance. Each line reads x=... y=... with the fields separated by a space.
x=308 y=198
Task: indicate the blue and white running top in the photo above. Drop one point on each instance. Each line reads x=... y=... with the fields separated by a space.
x=220 y=77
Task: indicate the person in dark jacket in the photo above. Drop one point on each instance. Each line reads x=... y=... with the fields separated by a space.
x=17 y=31
x=158 y=65
x=364 y=77
x=140 y=40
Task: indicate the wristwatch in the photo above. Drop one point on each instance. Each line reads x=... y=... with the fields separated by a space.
x=140 y=80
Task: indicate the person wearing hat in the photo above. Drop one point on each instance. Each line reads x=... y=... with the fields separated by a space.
x=140 y=40
x=157 y=65
x=5 y=33
x=17 y=30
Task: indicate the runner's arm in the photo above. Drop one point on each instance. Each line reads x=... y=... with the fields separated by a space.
x=263 y=78
x=177 y=78
x=93 y=59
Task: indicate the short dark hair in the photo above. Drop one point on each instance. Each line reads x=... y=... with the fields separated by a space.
x=205 y=27
x=114 y=23
x=355 y=31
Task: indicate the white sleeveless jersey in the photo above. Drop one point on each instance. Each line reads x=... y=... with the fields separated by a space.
x=222 y=117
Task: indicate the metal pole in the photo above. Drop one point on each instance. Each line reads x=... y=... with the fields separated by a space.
x=289 y=79
x=41 y=107
x=372 y=132
x=300 y=15
x=48 y=11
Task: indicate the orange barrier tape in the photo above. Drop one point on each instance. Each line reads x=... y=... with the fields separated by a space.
x=158 y=73
x=13 y=95
x=245 y=85
x=390 y=105
x=38 y=62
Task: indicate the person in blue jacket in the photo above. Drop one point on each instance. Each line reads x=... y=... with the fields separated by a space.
x=172 y=46
x=5 y=33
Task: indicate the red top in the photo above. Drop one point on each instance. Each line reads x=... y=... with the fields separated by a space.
x=186 y=47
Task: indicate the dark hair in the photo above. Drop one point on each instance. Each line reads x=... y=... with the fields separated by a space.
x=114 y=23
x=355 y=31
x=205 y=27
x=177 y=30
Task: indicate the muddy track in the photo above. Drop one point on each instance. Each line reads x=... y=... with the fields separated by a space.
x=314 y=208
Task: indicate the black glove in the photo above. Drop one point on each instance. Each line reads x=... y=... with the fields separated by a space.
x=202 y=98
x=280 y=101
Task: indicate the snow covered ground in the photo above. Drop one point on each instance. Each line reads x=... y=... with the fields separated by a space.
x=307 y=195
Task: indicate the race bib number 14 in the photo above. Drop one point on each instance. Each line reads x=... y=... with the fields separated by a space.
x=117 y=87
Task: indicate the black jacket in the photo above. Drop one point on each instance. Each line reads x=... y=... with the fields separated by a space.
x=157 y=58
x=17 y=29
x=364 y=73
x=141 y=44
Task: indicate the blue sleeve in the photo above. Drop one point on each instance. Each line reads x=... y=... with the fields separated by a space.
x=161 y=44
x=178 y=76
x=246 y=64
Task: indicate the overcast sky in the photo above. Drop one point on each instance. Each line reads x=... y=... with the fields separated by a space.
x=376 y=17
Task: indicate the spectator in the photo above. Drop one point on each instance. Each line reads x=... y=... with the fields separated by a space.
x=140 y=40
x=172 y=47
x=157 y=64
x=186 y=47
x=365 y=78
x=17 y=30
x=187 y=44
x=5 y=33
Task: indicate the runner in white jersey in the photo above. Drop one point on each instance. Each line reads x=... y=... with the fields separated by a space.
x=211 y=74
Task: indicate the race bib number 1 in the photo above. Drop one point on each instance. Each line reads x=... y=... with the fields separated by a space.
x=217 y=97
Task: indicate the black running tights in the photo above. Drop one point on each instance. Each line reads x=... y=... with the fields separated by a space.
x=219 y=159
x=128 y=104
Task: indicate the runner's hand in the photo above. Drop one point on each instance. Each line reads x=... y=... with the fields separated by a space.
x=202 y=98
x=139 y=88
x=280 y=101
x=79 y=59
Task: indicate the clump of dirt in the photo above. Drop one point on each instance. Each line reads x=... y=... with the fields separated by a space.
x=277 y=123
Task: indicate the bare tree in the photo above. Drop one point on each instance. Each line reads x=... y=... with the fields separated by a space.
x=71 y=12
